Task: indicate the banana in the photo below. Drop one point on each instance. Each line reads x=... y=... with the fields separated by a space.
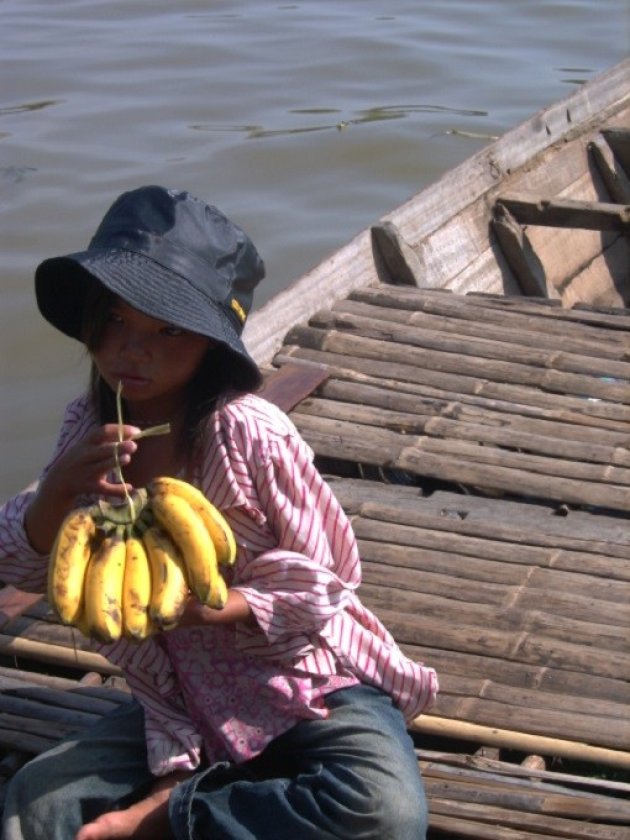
x=104 y=588
x=68 y=561
x=213 y=519
x=190 y=535
x=169 y=589
x=136 y=591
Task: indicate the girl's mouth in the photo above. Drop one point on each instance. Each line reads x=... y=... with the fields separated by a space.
x=130 y=380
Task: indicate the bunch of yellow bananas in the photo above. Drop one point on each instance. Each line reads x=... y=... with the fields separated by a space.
x=113 y=574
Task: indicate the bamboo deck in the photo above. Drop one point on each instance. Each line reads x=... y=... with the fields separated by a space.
x=481 y=446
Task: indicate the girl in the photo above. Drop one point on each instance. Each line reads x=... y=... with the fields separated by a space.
x=283 y=714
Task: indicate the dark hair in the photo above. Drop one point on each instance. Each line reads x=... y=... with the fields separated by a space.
x=221 y=373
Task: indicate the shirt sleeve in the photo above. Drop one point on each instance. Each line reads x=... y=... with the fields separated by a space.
x=20 y=564
x=296 y=587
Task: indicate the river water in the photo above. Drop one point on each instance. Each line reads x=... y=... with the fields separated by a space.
x=304 y=121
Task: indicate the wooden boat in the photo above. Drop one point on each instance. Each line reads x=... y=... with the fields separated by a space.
x=462 y=372
x=542 y=211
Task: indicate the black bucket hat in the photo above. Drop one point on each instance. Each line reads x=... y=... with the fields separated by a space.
x=168 y=254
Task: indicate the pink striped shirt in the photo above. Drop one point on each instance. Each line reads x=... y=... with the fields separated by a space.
x=224 y=692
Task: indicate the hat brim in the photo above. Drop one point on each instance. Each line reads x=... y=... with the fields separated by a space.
x=62 y=284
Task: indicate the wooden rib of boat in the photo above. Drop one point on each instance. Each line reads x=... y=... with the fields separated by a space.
x=462 y=373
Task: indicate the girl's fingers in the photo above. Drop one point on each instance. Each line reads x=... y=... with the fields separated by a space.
x=118 y=490
x=104 y=454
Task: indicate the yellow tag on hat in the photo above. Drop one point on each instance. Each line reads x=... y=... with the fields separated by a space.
x=236 y=307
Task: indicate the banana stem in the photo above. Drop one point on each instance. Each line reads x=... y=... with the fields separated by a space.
x=153 y=431
x=119 y=472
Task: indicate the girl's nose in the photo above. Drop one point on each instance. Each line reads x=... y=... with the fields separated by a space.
x=135 y=345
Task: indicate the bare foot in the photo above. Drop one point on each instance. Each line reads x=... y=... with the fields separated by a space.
x=146 y=820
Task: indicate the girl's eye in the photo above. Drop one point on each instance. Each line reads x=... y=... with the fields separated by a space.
x=114 y=317
x=172 y=330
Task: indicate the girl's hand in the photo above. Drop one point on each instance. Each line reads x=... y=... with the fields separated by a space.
x=235 y=610
x=84 y=469
x=88 y=466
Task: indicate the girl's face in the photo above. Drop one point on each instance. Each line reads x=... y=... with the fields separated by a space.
x=154 y=360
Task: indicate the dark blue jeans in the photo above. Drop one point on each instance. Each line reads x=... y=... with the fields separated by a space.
x=353 y=775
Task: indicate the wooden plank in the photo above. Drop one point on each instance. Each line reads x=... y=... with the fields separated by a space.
x=565 y=212
x=488 y=361
x=559 y=615
x=473 y=535
x=587 y=448
x=618 y=138
x=457 y=828
x=521 y=255
x=468 y=692
x=78 y=697
x=55 y=655
x=48 y=631
x=612 y=318
x=540 y=423
x=14 y=737
x=496 y=767
x=492 y=736
x=291 y=383
x=461 y=568
x=597 y=530
x=456 y=317
x=517 y=314
x=22 y=707
x=464 y=464
x=610 y=168
x=536 y=798
x=13 y=602
x=474 y=390
x=482 y=352
x=462 y=626
x=506 y=820
x=547 y=677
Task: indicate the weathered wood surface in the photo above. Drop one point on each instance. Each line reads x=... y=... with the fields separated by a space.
x=568 y=213
x=480 y=798
x=516 y=582
x=575 y=448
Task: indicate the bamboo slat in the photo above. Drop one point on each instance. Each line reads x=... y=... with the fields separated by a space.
x=22 y=707
x=587 y=449
x=468 y=464
x=520 y=314
x=472 y=389
x=531 y=347
x=53 y=654
x=495 y=414
x=521 y=741
x=454 y=358
x=498 y=349
x=592 y=785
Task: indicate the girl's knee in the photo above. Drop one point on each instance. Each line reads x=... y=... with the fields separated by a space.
x=403 y=812
x=382 y=808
